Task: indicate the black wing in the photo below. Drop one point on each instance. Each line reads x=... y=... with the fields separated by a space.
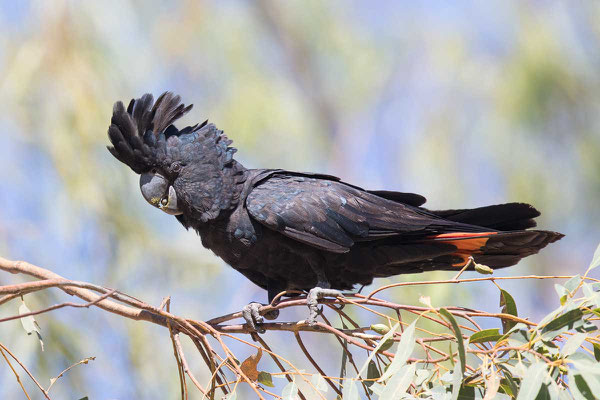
x=332 y=215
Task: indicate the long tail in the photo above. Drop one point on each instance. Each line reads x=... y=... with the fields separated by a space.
x=495 y=249
x=505 y=241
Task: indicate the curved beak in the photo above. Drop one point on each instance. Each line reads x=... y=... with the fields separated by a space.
x=157 y=191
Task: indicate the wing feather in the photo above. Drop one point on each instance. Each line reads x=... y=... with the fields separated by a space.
x=331 y=215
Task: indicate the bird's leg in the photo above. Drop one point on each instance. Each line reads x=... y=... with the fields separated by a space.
x=252 y=316
x=323 y=289
x=272 y=291
x=251 y=313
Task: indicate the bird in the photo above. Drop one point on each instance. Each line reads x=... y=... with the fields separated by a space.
x=297 y=231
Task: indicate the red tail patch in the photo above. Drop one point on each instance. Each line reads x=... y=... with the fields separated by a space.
x=466 y=243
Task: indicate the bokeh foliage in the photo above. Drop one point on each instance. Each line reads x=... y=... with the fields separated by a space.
x=467 y=104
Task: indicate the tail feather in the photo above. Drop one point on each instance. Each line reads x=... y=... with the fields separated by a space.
x=502 y=217
x=496 y=249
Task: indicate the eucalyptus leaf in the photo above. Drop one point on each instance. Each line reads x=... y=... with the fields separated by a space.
x=372 y=373
x=595 y=260
x=579 y=387
x=508 y=307
x=399 y=383
x=381 y=343
x=532 y=381
x=350 y=390
x=319 y=382
x=290 y=391
x=265 y=378
x=573 y=343
x=458 y=334
x=403 y=351
x=566 y=320
x=573 y=283
x=485 y=335
x=30 y=324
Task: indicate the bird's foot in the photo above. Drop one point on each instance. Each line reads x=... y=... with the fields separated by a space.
x=314 y=295
x=251 y=314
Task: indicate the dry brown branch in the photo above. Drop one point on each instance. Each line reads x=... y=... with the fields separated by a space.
x=225 y=372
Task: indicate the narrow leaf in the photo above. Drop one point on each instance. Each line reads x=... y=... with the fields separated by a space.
x=596 y=351
x=350 y=390
x=30 y=324
x=580 y=388
x=459 y=339
x=398 y=384
x=573 y=343
x=572 y=283
x=456 y=381
x=508 y=307
x=372 y=373
x=567 y=319
x=595 y=260
x=403 y=351
x=486 y=335
x=532 y=382
x=385 y=337
x=290 y=391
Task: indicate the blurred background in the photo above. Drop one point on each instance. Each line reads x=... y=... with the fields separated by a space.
x=468 y=105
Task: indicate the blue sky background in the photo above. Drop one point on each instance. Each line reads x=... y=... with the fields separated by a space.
x=468 y=103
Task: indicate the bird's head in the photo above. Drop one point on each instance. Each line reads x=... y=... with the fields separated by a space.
x=189 y=171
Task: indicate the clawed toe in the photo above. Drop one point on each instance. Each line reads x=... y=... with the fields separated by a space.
x=314 y=295
x=252 y=316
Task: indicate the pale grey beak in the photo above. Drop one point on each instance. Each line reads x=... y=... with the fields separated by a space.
x=157 y=191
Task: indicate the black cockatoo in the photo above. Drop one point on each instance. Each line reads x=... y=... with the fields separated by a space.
x=287 y=230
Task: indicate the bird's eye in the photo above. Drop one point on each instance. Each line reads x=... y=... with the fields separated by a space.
x=164 y=201
x=176 y=167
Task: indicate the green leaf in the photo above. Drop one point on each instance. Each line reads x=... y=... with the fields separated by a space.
x=595 y=260
x=306 y=387
x=372 y=373
x=403 y=351
x=398 y=384
x=532 y=382
x=567 y=319
x=422 y=376
x=486 y=335
x=459 y=339
x=573 y=343
x=467 y=393
x=457 y=377
x=573 y=283
x=265 y=378
x=350 y=390
x=385 y=345
x=591 y=381
x=344 y=354
x=319 y=382
x=30 y=324
x=508 y=307
x=385 y=337
x=290 y=391
x=579 y=387
x=596 y=351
